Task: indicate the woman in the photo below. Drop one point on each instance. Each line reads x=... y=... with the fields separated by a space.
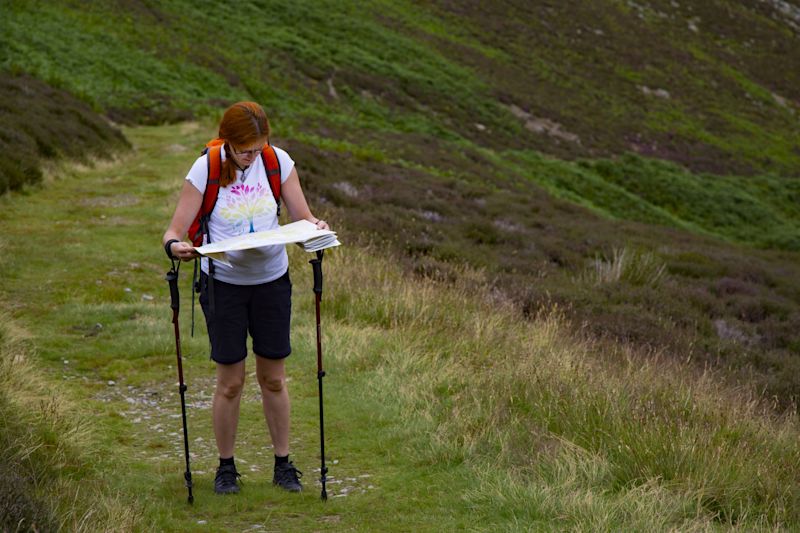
x=254 y=294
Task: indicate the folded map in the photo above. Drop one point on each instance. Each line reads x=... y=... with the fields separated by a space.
x=301 y=232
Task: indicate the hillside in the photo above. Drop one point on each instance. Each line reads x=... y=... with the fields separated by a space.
x=629 y=168
x=42 y=125
x=535 y=141
x=443 y=410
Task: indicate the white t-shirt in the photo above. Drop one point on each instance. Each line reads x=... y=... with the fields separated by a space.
x=245 y=206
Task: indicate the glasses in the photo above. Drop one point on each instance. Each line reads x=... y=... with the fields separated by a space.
x=253 y=152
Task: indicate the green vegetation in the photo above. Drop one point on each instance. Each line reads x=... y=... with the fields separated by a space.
x=402 y=79
x=49 y=479
x=633 y=166
x=43 y=124
x=509 y=424
x=633 y=266
x=762 y=211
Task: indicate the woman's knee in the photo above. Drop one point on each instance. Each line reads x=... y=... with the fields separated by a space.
x=272 y=383
x=230 y=388
x=230 y=380
x=271 y=374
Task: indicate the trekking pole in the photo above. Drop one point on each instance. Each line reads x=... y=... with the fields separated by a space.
x=317 y=266
x=172 y=279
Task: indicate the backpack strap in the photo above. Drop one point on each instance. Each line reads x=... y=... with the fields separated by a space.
x=272 y=166
x=214 y=162
x=199 y=227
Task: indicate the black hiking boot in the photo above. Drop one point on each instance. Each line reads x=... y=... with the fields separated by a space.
x=225 y=482
x=287 y=477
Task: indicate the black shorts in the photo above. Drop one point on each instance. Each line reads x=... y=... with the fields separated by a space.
x=264 y=310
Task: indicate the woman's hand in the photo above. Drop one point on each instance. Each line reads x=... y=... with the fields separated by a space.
x=183 y=251
x=321 y=224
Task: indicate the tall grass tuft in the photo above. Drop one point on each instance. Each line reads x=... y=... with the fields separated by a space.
x=637 y=267
x=46 y=479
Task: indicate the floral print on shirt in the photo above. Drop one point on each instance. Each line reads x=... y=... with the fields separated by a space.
x=244 y=204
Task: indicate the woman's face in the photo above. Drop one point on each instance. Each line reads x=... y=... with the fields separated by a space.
x=244 y=156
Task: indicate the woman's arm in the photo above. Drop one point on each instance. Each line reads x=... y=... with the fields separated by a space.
x=295 y=201
x=187 y=208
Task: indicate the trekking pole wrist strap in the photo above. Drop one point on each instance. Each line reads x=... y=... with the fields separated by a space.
x=168 y=248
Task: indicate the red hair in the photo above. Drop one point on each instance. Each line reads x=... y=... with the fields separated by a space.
x=243 y=124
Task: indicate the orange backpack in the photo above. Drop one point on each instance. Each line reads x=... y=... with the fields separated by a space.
x=213 y=148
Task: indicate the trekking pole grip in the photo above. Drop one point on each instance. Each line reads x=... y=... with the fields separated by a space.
x=172 y=279
x=317 y=266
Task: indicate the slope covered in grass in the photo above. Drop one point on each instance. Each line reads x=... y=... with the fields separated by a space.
x=441 y=85
x=599 y=79
x=518 y=139
x=42 y=124
x=445 y=408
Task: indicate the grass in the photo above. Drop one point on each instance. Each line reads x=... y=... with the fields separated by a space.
x=411 y=94
x=538 y=247
x=527 y=397
x=50 y=480
x=445 y=409
x=437 y=70
x=455 y=197
x=730 y=207
x=634 y=266
x=400 y=118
